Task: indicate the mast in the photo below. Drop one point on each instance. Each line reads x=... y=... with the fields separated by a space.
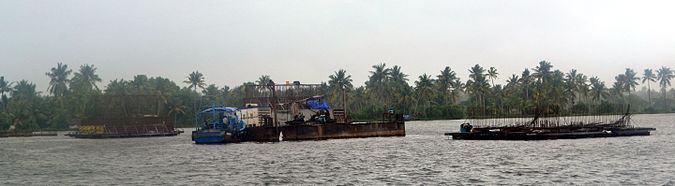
x=273 y=102
x=344 y=102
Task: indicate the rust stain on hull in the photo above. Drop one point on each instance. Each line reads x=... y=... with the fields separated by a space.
x=325 y=131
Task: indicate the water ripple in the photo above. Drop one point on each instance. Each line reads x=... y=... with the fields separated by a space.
x=423 y=157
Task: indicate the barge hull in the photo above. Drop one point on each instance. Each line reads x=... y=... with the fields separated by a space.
x=26 y=134
x=211 y=137
x=325 y=131
x=549 y=135
x=103 y=136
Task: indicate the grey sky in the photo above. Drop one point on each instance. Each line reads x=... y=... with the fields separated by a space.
x=236 y=41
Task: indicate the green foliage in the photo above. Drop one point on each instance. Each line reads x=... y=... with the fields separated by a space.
x=541 y=89
x=195 y=79
x=24 y=109
x=58 y=85
x=445 y=112
x=338 y=85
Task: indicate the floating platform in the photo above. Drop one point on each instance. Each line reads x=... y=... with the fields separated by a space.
x=124 y=116
x=26 y=134
x=149 y=126
x=548 y=133
x=122 y=135
x=302 y=132
x=325 y=131
x=288 y=112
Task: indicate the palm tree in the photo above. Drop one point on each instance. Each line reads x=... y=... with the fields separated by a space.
x=162 y=86
x=550 y=94
x=582 y=86
x=86 y=78
x=340 y=82
x=213 y=94
x=598 y=89
x=376 y=84
x=117 y=87
x=618 y=87
x=664 y=75
x=212 y=90
x=396 y=75
x=478 y=86
x=492 y=74
x=620 y=83
x=555 y=95
x=424 y=89
x=359 y=93
x=24 y=90
x=457 y=87
x=397 y=87
x=425 y=84
x=5 y=86
x=631 y=80
x=141 y=85
x=444 y=82
x=571 y=85
x=195 y=79
x=58 y=85
x=649 y=76
x=379 y=75
x=82 y=85
x=511 y=87
x=526 y=80
x=512 y=82
x=25 y=111
x=543 y=71
x=543 y=75
x=263 y=80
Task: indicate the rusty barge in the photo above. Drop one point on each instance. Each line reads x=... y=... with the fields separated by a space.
x=146 y=126
x=296 y=112
x=125 y=116
x=554 y=128
x=392 y=127
x=27 y=134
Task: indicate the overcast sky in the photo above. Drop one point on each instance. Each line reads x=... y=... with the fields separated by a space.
x=236 y=41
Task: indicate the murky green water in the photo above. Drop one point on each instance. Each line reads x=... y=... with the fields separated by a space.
x=424 y=156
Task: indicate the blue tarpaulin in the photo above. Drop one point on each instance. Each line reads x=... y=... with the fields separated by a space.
x=219 y=109
x=317 y=104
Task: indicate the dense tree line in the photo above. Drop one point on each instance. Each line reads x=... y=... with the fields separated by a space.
x=540 y=90
x=442 y=95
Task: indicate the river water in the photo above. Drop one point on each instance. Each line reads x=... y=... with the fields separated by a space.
x=424 y=157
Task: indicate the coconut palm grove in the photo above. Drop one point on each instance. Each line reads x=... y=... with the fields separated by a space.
x=436 y=95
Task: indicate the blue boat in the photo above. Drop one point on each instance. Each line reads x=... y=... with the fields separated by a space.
x=219 y=125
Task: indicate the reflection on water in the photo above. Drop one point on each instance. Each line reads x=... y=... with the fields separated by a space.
x=424 y=156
